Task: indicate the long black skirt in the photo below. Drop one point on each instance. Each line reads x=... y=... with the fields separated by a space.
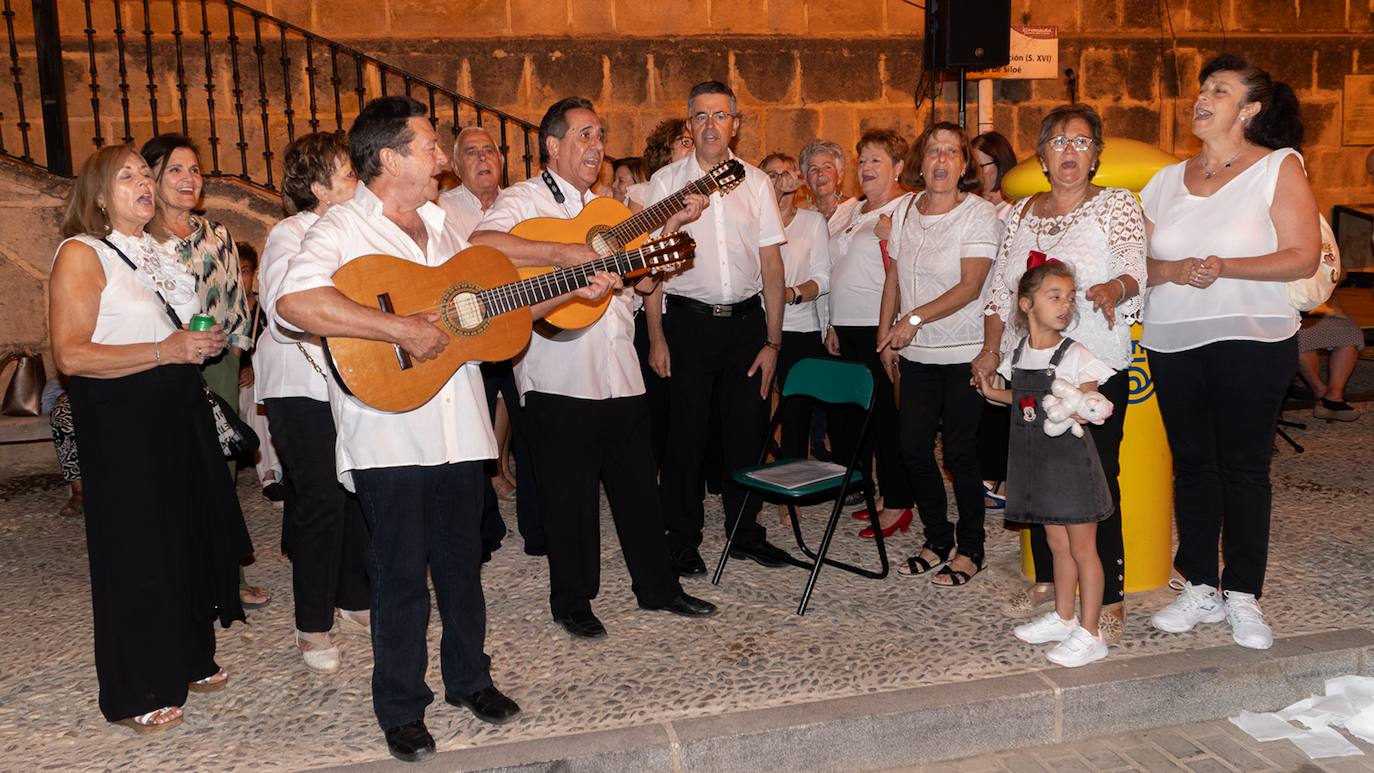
x=164 y=533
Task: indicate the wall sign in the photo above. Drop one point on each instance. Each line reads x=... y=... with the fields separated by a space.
x=1357 y=110
x=1034 y=54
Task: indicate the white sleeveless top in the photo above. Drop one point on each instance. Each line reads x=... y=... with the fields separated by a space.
x=1231 y=223
x=130 y=312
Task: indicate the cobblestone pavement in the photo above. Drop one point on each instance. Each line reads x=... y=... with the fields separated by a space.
x=1207 y=747
x=859 y=636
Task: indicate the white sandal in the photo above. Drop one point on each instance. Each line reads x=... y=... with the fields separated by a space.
x=325 y=659
x=153 y=721
x=360 y=619
x=216 y=681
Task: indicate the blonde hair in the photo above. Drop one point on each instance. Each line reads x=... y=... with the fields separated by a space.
x=85 y=214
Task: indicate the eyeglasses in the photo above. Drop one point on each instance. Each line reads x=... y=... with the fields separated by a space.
x=719 y=116
x=1079 y=143
x=685 y=142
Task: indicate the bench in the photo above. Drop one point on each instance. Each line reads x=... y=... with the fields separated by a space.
x=24 y=429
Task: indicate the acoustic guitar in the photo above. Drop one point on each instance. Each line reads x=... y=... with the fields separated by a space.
x=483 y=307
x=609 y=227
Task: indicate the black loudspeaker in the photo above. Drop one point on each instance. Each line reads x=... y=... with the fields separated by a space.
x=972 y=34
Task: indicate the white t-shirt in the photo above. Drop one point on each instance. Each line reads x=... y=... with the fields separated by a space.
x=1231 y=223
x=1077 y=366
x=596 y=363
x=805 y=258
x=840 y=217
x=463 y=207
x=279 y=367
x=857 y=272
x=638 y=193
x=928 y=252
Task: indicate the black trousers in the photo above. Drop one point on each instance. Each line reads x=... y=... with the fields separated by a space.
x=324 y=525
x=655 y=392
x=711 y=355
x=499 y=380
x=938 y=398
x=993 y=429
x=1220 y=403
x=579 y=445
x=1110 y=548
x=424 y=517
x=796 y=416
x=882 y=445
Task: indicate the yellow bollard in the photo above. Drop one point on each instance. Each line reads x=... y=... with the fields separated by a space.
x=1147 y=485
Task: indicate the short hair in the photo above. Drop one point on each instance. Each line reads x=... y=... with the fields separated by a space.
x=776 y=156
x=1278 y=124
x=911 y=172
x=1031 y=281
x=822 y=148
x=156 y=150
x=458 y=138
x=1065 y=113
x=310 y=158
x=383 y=123
x=712 y=87
x=84 y=214
x=634 y=163
x=998 y=148
x=249 y=253
x=658 y=148
x=555 y=122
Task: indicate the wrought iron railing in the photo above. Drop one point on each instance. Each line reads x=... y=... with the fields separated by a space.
x=237 y=80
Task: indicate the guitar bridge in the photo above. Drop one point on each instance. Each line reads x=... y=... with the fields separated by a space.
x=402 y=358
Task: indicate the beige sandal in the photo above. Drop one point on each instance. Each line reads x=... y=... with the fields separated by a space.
x=216 y=681
x=154 y=721
x=1023 y=605
x=1110 y=625
x=318 y=651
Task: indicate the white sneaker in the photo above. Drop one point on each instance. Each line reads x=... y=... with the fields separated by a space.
x=1046 y=628
x=1247 y=621
x=1194 y=604
x=1079 y=649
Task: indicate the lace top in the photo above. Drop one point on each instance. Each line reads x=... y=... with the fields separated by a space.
x=211 y=256
x=130 y=312
x=1102 y=238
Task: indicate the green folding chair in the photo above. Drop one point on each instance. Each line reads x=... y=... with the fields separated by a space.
x=835 y=382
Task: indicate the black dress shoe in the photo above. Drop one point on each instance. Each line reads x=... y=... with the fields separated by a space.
x=411 y=742
x=684 y=606
x=487 y=704
x=688 y=563
x=582 y=625
x=761 y=553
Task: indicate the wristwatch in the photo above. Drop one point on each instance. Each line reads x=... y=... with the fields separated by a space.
x=796 y=297
x=915 y=320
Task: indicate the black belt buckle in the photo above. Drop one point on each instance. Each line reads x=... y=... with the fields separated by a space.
x=723 y=310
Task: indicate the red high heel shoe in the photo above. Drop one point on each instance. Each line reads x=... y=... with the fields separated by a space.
x=903 y=523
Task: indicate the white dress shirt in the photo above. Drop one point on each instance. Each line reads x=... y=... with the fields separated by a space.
x=596 y=363
x=729 y=234
x=806 y=258
x=279 y=367
x=453 y=426
x=463 y=208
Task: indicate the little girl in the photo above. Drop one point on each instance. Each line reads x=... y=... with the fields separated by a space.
x=1055 y=481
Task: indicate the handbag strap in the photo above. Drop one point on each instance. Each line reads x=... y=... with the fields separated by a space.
x=167 y=307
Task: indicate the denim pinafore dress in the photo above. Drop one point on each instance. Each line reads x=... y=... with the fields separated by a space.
x=1054 y=480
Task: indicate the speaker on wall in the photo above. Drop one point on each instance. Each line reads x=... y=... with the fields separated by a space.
x=972 y=34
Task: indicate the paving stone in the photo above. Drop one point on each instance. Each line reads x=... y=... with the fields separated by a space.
x=1177 y=746
x=1227 y=749
x=1208 y=765
x=1152 y=759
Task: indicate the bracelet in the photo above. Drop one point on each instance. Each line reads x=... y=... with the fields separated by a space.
x=777 y=347
x=157 y=353
x=1117 y=279
x=991 y=351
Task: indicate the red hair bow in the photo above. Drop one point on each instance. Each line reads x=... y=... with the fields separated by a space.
x=1038 y=258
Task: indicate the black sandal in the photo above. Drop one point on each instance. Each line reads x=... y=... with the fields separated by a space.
x=917 y=566
x=956 y=577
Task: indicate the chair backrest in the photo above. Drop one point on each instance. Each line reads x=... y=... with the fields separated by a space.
x=831 y=381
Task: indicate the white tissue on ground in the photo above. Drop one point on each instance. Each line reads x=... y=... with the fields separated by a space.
x=1348 y=703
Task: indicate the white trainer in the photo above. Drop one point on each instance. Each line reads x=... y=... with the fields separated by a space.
x=1247 y=621
x=1194 y=604
x=1079 y=649
x=1046 y=628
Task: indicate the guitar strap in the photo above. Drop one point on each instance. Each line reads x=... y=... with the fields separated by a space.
x=553 y=187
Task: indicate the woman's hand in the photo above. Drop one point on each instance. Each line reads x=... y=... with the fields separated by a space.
x=883 y=228
x=983 y=366
x=899 y=336
x=1182 y=272
x=1105 y=297
x=1209 y=270
x=889 y=357
x=192 y=347
x=832 y=342
x=246 y=376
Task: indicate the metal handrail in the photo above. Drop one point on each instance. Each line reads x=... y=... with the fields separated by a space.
x=336 y=78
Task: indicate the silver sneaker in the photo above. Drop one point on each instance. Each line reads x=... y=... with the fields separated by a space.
x=1247 y=621
x=1194 y=604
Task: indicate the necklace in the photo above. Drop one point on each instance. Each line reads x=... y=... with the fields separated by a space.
x=1058 y=223
x=1208 y=172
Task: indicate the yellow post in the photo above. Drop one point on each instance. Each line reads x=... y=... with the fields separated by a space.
x=1147 y=485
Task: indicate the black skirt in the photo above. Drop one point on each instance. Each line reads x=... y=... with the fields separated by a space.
x=163 y=531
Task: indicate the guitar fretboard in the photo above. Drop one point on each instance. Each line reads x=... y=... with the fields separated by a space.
x=537 y=289
x=653 y=217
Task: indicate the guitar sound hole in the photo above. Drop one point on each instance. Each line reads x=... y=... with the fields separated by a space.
x=602 y=241
x=465 y=309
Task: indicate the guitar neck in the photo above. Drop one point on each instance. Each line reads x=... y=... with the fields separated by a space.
x=652 y=218
x=537 y=289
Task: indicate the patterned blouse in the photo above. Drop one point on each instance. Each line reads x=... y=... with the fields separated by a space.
x=209 y=252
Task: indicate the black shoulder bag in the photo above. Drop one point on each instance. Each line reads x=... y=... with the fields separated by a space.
x=236 y=438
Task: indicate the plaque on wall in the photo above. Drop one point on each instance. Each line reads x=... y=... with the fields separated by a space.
x=1357 y=110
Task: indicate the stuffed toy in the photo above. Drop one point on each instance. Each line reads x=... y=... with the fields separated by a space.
x=1066 y=401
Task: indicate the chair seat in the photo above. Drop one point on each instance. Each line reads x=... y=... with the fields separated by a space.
x=741 y=477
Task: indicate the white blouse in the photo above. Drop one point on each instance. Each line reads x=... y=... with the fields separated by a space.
x=805 y=258
x=928 y=251
x=1233 y=222
x=1102 y=238
x=130 y=311
x=1078 y=365
x=280 y=364
x=857 y=272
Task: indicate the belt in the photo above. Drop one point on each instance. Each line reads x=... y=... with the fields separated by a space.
x=743 y=308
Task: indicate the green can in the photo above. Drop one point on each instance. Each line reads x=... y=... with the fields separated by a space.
x=202 y=322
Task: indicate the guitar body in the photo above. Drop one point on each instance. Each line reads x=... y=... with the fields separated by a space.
x=599 y=216
x=382 y=376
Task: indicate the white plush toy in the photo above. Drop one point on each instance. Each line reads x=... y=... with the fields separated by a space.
x=1066 y=401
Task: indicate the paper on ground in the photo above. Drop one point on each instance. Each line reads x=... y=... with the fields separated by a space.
x=1348 y=702
x=1265 y=727
x=1325 y=743
x=1362 y=725
x=1359 y=690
